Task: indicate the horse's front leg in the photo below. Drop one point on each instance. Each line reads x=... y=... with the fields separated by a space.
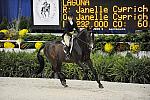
x=85 y=70
x=90 y=65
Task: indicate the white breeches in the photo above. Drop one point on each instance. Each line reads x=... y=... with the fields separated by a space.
x=67 y=39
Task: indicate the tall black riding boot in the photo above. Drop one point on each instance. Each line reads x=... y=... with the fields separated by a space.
x=68 y=53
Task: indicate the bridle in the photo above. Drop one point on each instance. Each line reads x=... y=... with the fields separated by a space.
x=88 y=44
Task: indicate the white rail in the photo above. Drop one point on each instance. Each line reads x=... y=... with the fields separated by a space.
x=17 y=40
x=140 y=54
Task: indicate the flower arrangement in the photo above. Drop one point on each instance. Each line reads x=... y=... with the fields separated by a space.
x=23 y=33
x=134 y=47
x=38 y=45
x=4 y=31
x=108 y=47
x=6 y=34
x=9 y=45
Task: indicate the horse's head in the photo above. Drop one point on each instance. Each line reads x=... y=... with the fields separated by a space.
x=87 y=37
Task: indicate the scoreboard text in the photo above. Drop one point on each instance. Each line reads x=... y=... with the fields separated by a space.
x=109 y=14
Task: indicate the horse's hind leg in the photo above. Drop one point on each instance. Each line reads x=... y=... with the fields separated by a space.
x=57 y=69
x=89 y=62
x=85 y=75
x=62 y=79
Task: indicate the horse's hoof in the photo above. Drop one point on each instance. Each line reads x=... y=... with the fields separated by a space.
x=101 y=86
x=64 y=84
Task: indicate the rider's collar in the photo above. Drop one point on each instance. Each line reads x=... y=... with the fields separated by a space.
x=71 y=22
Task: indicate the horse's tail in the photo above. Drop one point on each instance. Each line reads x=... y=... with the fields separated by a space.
x=40 y=60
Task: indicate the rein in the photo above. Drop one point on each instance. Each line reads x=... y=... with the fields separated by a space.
x=84 y=42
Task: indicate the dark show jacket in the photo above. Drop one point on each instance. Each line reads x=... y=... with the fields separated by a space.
x=69 y=28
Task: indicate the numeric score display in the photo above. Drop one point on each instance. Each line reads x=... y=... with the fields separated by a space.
x=108 y=14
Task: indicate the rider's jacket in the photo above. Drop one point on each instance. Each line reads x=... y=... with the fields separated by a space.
x=69 y=27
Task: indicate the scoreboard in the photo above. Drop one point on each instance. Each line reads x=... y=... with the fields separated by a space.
x=110 y=15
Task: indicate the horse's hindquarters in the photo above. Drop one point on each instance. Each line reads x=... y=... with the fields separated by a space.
x=54 y=51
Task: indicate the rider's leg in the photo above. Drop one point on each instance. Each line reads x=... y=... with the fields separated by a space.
x=67 y=42
x=71 y=45
x=68 y=49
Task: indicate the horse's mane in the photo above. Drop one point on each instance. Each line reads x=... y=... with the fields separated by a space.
x=82 y=41
x=80 y=35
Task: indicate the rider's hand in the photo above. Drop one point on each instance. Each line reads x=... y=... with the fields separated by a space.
x=69 y=34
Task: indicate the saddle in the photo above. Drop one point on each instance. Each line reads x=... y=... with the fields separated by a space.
x=75 y=47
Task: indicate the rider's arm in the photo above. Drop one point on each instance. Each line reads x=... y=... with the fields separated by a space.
x=66 y=30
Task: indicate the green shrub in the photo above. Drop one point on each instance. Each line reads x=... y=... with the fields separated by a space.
x=25 y=23
x=123 y=69
x=41 y=37
x=20 y=64
x=4 y=24
x=72 y=71
x=115 y=68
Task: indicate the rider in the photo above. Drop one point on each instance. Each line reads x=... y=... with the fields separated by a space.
x=67 y=36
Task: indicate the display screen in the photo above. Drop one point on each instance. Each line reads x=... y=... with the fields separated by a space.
x=126 y=15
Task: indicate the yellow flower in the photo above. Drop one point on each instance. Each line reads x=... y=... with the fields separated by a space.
x=38 y=45
x=134 y=47
x=23 y=32
x=4 y=31
x=9 y=45
x=108 y=47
